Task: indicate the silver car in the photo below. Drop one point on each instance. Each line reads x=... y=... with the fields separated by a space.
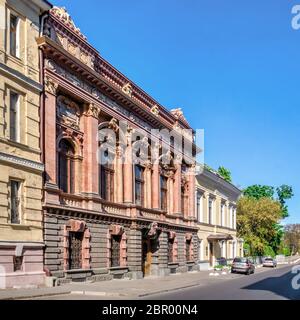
x=243 y=265
x=270 y=262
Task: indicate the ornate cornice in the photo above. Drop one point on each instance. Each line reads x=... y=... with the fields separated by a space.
x=21 y=162
x=59 y=19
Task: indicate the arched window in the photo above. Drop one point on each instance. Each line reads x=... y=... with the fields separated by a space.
x=66 y=174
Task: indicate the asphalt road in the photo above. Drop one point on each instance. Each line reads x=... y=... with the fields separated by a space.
x=270 y=284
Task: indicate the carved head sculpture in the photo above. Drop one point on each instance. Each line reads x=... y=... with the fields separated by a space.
x=127 y=88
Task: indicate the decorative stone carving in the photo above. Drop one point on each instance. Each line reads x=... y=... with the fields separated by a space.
x=113 y=124
x=127 y=88
x=153 y=230
x=62 y=15
x=155 y=110
x=72 y=49
x=172 y=235
x=68 y=112
x=178 y=114
x=116 y=230
x=92 y=110
x=188 y=236
x=50 y=85
x=84 y=57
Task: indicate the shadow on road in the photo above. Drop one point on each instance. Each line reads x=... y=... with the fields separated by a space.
x=281 y=286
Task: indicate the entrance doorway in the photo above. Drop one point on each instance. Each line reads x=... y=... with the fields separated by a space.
x=211 y=253
x=147 y=257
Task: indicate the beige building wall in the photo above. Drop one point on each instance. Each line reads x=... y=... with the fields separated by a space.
x=217 y=235
x=20 y=158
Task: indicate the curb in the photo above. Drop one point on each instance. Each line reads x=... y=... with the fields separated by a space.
x=98 y=293
x=168 y=290
x=37 y=295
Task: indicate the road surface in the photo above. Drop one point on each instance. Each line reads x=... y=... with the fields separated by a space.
x=272 y=284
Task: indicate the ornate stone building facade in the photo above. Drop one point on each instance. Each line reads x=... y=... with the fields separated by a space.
x=120 y=218
x=216 y=216
x=21 y=235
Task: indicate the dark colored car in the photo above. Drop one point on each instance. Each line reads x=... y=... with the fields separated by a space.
x=242 y=265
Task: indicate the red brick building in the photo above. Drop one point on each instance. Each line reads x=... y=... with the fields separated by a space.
x=116 y=219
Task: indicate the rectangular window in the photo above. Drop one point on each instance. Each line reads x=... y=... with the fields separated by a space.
x=222 y=214
x=163 y=193
x=115 y=251
x=210 y=211
x=199 y=207
x=188 y=250
x=14 y=116
x=171 y=250
x=15 y=202
x=18 y=263
x=14 y=35
x=139 y=185
x=107 y=182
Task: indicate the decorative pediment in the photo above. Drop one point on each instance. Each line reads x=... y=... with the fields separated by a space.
x=62 y=14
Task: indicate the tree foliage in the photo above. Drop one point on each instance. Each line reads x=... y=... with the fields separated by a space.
x=255 y=222
x=292 y=237
x=258 y=191
x=284 y=192
x=225 y=173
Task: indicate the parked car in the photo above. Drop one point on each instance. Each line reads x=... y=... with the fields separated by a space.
x=270 y=262
x=242 y=265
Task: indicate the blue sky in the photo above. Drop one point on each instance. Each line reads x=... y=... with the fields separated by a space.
x=232 y=66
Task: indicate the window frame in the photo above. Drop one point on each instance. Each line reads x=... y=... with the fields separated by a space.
x=19 y=199
x=163 y=192
x=69 y=163
x=16 y=110
x=139 y=199
x=16 y=52
x=115 y=239
x=210 y=211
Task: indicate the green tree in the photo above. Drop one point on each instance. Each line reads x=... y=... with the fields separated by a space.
x=225 y=174
x=258 y=191
x=284 y=192
x=255 y=222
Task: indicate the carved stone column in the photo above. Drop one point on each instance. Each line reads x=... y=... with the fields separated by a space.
x=119 y=175
x=171 y=193
x=177 y=188
x=50 y=135
x=90 y=147
x=148 y=185
x=155 y=178
x=128 y=170
x=191 y=192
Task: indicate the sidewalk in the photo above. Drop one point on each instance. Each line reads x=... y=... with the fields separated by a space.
x=124 y=289
x=115 y=288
